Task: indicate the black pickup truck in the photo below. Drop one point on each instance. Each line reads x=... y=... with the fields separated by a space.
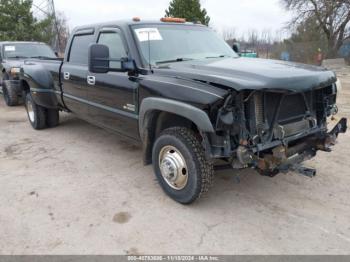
x=191 y=101
x=12 y=56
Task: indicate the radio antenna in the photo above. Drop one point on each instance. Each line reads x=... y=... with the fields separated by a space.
x=149 y=52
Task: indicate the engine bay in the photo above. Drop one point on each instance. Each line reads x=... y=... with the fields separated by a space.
x=274 y=130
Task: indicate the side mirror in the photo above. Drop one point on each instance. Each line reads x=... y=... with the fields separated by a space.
x=235 y=48
x=99 y=60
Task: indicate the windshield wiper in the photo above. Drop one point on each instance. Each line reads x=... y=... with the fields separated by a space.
x=16 y=57
x=44 y=57
x=174 y=61
x=219 y=56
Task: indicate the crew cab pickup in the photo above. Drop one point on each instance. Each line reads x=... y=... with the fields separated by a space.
x=12 y=56
x=191 y=101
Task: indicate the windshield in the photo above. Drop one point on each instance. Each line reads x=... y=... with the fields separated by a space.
x=177 y=43
x=27 y=50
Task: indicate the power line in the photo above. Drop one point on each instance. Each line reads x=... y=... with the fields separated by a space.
x=56 y=25
x=46 y=8
x=41 y=9
x=43 y=2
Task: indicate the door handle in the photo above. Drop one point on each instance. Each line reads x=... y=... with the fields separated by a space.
x=91 y=80
x=66 y=75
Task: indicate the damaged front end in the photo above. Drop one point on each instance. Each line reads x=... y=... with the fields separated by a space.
x=274 y=131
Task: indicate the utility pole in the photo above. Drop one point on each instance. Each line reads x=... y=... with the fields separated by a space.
x=46 y=8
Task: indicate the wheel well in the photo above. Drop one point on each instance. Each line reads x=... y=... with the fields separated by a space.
x=25 y=86
x=156 y=122
x=5 y=76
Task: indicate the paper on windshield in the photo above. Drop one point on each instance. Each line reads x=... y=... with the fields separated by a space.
x=145 y=34
x=10 y=48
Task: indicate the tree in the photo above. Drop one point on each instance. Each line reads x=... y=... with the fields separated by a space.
x=229 y=33
x=59 y=31
x=253 y=38
x=63 y=31
x=17 y=22
x=189 y=9
x=305 y=42
x=266 y=42
x=332 y=18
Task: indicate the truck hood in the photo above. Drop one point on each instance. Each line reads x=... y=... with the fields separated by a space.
x=10 y=63
x=252 y=74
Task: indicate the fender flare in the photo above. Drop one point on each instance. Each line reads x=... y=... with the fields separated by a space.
x=194 y=114
x=41 y=85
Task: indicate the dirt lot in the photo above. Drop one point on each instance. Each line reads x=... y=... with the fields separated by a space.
x=77 y=189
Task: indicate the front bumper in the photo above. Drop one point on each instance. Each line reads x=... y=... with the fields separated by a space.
x=284 y=158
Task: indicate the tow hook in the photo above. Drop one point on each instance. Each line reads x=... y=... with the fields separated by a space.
x=304 y=171
x=340 y=127
x=331 y=138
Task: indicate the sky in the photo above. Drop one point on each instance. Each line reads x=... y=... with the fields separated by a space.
x=243 y=15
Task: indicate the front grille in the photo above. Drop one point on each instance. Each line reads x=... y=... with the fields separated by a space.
x=294 y=114
x=293 y=106
x=298 y=112
x=297 y=127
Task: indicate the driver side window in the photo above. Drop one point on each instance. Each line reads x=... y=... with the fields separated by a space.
x=116 y=47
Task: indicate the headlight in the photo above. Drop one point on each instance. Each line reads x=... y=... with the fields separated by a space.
x=15 y=71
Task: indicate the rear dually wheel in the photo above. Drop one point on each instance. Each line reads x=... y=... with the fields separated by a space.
x=36 y=114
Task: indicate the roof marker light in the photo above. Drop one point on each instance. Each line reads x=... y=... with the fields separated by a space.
x=173 y=20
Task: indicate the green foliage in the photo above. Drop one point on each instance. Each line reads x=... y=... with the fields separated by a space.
x=17 y=22
x=189 y=9
x=305 y=43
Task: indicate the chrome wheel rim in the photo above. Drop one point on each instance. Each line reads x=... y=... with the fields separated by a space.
x=30 y=111
x=173 y=167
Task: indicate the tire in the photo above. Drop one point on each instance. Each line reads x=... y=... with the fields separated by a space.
x=36 y=114
x=10 y=96
x=52 y=118
x=180 y=165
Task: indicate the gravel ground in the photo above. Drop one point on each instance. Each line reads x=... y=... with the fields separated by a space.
x=77 y=189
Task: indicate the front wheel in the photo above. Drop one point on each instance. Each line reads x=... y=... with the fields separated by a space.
x=180 y=165
x=36 y=114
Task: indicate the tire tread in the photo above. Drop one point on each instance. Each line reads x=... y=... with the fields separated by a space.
x=40 y=112
x=12 y=97
x=206 y=169
x=52 y=118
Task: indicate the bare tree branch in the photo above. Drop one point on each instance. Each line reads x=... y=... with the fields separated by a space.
x=332 y=16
